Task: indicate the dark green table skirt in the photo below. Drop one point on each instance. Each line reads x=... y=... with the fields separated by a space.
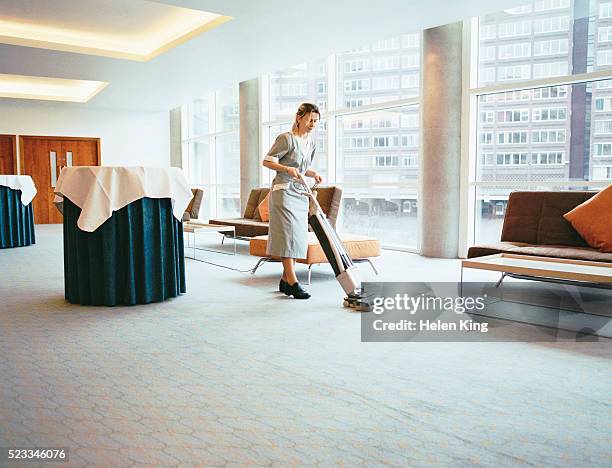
x=135 y=257
x=16 y=220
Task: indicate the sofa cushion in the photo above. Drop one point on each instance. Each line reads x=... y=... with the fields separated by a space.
x=356 y=246
x=537 y=218
x=557 y=251
x=252 y=203
x=593 y=220
x=263 y=193
x=264 y=209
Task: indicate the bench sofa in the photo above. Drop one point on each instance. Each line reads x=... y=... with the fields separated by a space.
x=534 y=225
x=251 y=225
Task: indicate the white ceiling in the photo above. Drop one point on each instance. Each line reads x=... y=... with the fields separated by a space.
x=264 y=35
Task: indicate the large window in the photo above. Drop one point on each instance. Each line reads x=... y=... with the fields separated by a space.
x=553 y=137
x=377 y=165
x=212 y=146
x=305 y=82
x=373 y=154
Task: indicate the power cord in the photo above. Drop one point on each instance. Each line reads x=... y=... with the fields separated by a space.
x=222 y=266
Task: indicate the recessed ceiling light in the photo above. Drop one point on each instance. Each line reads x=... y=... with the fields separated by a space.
x=135 y=30
x=49 y=89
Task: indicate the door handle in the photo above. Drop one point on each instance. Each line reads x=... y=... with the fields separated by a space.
x=53 y=167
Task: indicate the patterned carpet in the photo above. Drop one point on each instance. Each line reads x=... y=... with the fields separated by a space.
x=234 y=374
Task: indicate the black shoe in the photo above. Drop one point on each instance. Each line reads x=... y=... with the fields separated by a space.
x=296 y=291
x=282 y=286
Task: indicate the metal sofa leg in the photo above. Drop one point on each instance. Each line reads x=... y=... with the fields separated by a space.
x=498 y=284
x=260 y=262
x=372 y=265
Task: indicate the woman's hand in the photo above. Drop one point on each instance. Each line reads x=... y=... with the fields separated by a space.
x=293 y=172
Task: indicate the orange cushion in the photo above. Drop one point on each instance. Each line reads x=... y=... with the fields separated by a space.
x=264 y=209
x=593 y=220
x=356 y=246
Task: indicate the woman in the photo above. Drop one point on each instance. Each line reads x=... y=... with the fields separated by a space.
x=291 y=153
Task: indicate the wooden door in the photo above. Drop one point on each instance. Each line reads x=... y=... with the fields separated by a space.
x=44 y=157
x=8 y=154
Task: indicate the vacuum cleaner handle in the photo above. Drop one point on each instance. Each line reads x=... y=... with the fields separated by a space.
x=301 y=178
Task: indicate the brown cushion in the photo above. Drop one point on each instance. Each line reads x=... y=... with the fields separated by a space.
x=593 y=220
x=329 y=199
x=252 y=203
x=356 y=246
x=264 y=208
x=537 y=218
x=557 y=251
x=263 y=193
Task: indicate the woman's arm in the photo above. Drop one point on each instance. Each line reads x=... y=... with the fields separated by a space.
x=315 y=175
x=292 y=171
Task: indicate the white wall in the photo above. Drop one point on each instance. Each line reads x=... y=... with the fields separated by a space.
x=127 y=138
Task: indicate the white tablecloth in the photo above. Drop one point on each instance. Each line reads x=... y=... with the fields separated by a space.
x=20 y=182
x=99 y=191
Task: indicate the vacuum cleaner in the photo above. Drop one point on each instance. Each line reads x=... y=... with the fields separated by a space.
x=339 y=259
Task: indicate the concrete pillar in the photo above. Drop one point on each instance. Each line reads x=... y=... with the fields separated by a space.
x=249 y=139
x=441 y=141
x=176 y=152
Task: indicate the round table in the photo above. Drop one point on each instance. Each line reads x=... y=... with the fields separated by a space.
x=16 y=213
x=136 y=255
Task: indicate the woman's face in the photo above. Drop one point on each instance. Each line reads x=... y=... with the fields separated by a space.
x=308 y=122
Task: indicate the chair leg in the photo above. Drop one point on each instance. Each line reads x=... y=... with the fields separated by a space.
x=260 y=262
x=309 y=273
x=372 y=265
x=222 y=238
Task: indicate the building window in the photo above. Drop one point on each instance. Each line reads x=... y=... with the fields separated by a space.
x=354 y=66
x=386 y=63
x=547 y=5
x=387 y=44
x=512 y=138
x=550 y=113
x=410 y=61
x=554 y=92
x=357 y=142
x=520 y=28
x=513 y=51
x=386 y=161
x=551 y=47
x=513 y=159
x=602 y=149
x=514 y=72
x=603 y=104
x=549 y=158
x=602 y=172
x=544 y=70
x=382 y=83
x=357 y=85
x=602 y=127
x=605 y=10
x=551 y=25
x=410 y=41
x=486 y=138
x=548 y=136
x=507 y=116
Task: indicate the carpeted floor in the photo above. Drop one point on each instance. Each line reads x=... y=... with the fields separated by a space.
x=234 y=374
